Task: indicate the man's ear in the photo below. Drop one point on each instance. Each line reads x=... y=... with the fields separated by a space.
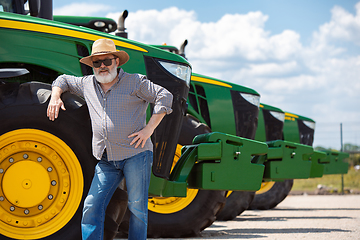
x=117 y=62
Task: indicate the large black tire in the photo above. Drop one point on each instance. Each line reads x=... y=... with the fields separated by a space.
x=271 y=197
x=236 y=203
x=182 y=217
x=29 y=138
x=189 y=221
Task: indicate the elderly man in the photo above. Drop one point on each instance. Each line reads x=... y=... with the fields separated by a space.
x=117 y=103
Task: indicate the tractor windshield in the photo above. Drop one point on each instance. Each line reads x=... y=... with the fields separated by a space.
x=14 y=6
x=7 y=6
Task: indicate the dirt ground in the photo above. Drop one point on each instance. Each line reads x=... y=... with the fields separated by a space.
x=297 y=217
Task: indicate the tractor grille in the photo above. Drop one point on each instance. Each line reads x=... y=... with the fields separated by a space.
x=166 y=135
x=306 y=134
x=246 y=116
x=273 y=127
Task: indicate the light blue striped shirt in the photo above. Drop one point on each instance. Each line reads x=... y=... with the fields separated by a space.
x=119 y=112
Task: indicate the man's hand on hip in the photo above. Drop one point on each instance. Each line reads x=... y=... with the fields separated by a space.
x=144 y=134
x=141 y=136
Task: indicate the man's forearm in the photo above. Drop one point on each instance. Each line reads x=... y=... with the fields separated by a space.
x=56 y=92
x=55 y=103
x=155 y=120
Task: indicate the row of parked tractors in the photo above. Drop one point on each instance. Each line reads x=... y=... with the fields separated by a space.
x=220 y=152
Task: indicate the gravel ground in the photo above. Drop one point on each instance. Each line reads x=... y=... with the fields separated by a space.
x=297 y=217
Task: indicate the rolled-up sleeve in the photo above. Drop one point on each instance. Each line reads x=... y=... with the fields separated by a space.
x=70 y=83
x=156 y=94
x=163 y=102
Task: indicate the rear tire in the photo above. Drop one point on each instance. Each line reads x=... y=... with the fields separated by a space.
x=59 y=152
x=236 y=203
x=271 y=197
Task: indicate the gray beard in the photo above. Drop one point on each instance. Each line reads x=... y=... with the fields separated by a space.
x=108 y=78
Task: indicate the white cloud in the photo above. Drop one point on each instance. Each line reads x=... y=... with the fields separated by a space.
x=232 y=36
x=268 y=69
x=320 y=81
x=343 y=26
x=81 y=9
x=156 y=27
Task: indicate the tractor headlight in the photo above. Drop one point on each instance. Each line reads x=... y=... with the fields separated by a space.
x=310 y=124
x=99 y=24
x=180 y=71
x=251 y=98
x=278 y=115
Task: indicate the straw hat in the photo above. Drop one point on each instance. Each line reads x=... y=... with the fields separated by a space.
x=102 y=47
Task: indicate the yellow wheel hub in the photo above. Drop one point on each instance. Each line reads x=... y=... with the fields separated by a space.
x=168 y=205
x=265 y=186
x=26 y=184
x=41 y=184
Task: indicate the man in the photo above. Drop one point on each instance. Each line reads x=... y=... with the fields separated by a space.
x=117 y=103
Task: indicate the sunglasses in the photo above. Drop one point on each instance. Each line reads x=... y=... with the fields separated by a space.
x=107 y=62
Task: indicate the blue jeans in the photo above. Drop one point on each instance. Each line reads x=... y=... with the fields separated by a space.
x=108 y=175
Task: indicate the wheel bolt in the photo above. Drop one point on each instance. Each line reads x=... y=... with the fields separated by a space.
x=11 y=160
x=53 y=182
x=25 y=156
x=12 y=208
x=1 y=198
x=1 y=170
x=40 y=207
x=39 y=159
x=26 y=211
x=50 y=197
x=49 y=169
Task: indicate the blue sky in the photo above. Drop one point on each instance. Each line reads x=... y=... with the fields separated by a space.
x=301 y=56
x=302 y=16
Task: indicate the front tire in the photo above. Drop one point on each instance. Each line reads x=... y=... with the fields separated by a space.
x=271 y=194
x=236 y=203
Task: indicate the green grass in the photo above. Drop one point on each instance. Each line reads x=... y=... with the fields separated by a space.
x=351 y=182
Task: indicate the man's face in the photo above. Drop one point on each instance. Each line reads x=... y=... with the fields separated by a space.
x=103 y=73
